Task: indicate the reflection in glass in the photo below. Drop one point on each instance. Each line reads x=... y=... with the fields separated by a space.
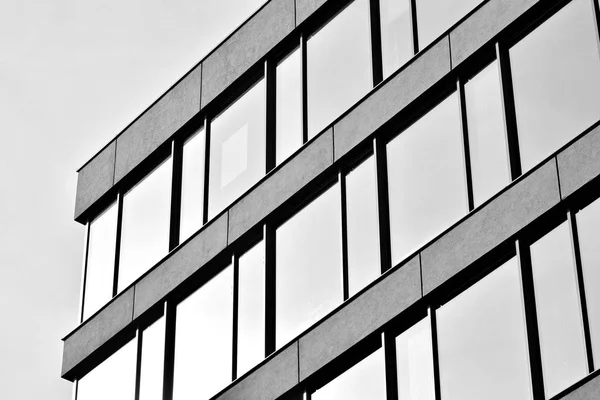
x=558 y=312
x=145 y=224
x=556 y=78
x=251 y=309
x=203 y=338
x=100 y=261
x=365 y=380
x=192 y=185
x=434 y=17
x=152 y=361
x=237 y=149
x=309 y=266
x=363 y=229
x=396 y=34
x=288 y=109
x=414 y=359
x=487 y=138
x=426 y=175
x=482 y=342
x=113 y=379
x=338 y=65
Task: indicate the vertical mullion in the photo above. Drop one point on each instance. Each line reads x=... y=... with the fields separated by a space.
x=344 y=227
x=304 y=79
x=460 y=88
x=206 y=169
x=376 y=51
x=510 y=117
x=383 y=209
x=236 y=288
x=86 y=244
x=138 y=368
x=118 y=242
x=533 y=336
x=413 y=24
x=169 y=355
x=75 y=389
x=306 y=395
x=177 y=170
x=271 y=113
x=434 y=351
x=270 y=288
x=582 y=298
x=391 y=375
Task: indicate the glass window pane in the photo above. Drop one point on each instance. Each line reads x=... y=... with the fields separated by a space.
x=414 y=359
x=434 y=17
x=153 y=361
x=365 y=380
x=426 y=176
x=558 y=312
x=396 y=34
x=588 y=225
x=363 y=229
x=338 y=65
x=251 y=309
x=556 y=78
x=288 y=109
x=237 y=149
x=100 y=267
x=482 y=341
x=309 y=266
x=192 y=185
x=113 y=379
x=203 y=340
x=487 y=138
x=145 y=224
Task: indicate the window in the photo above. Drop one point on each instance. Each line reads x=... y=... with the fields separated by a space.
x=237 y=149
x=396 y=34
x=288 y=107
x=145 y=224
x=309 y=266
x=556 y=78
x=339 y=68
x=434 y=17
x=192 y=185
x=203 y=340
x=99 y=272
x=152 y=361
x=426 y=177
x=482 y=343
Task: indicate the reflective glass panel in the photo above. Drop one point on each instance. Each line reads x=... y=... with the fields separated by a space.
x=434 y=17
x=338 y=65
x=414 y=359
x=288 y=109
x=396 y=34
x=426 y=178
x=153 y=361
x=192 y=185
x=482 y=340
x=487 y=137
x=100 y=268
x=309 y=266
x=559 y=316
x=145 y=224
x=556 y=79
x=251 y=309
x=365 y=380
x=113 y=379
x=203 y=340
x=363 y=229
x=237 y=149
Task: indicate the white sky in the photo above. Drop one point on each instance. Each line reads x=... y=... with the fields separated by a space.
x=73 y=73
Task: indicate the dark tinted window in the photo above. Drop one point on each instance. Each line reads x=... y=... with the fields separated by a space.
x=192 y=185
x=434 y=17
x=396 y=34
x=289 y=106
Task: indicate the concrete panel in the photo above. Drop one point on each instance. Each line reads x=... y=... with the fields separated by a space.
x=246 y=47
x=488 y=227
x=362 y=316
x=392 y=97
x=305 y=8
x=157 y=124
x=579 y=163
x=271 y=380
x=95 y=179
x=484 y=25
x=589 y=389
x=180 y=265
x=281 y=185
x=97 y=330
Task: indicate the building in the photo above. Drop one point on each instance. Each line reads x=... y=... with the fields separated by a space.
x=382 y=199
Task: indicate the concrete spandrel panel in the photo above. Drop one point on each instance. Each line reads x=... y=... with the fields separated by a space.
x=280 y=186
x=589 y=390
x=390 y=98
x=180 y=265
x=490 y=226
x=95 y=179
x=158 y=124
x=305 y=8
x=579 y=163
x=246 y=47
x=359 y=318
x=483 y=25
x=97 y=331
